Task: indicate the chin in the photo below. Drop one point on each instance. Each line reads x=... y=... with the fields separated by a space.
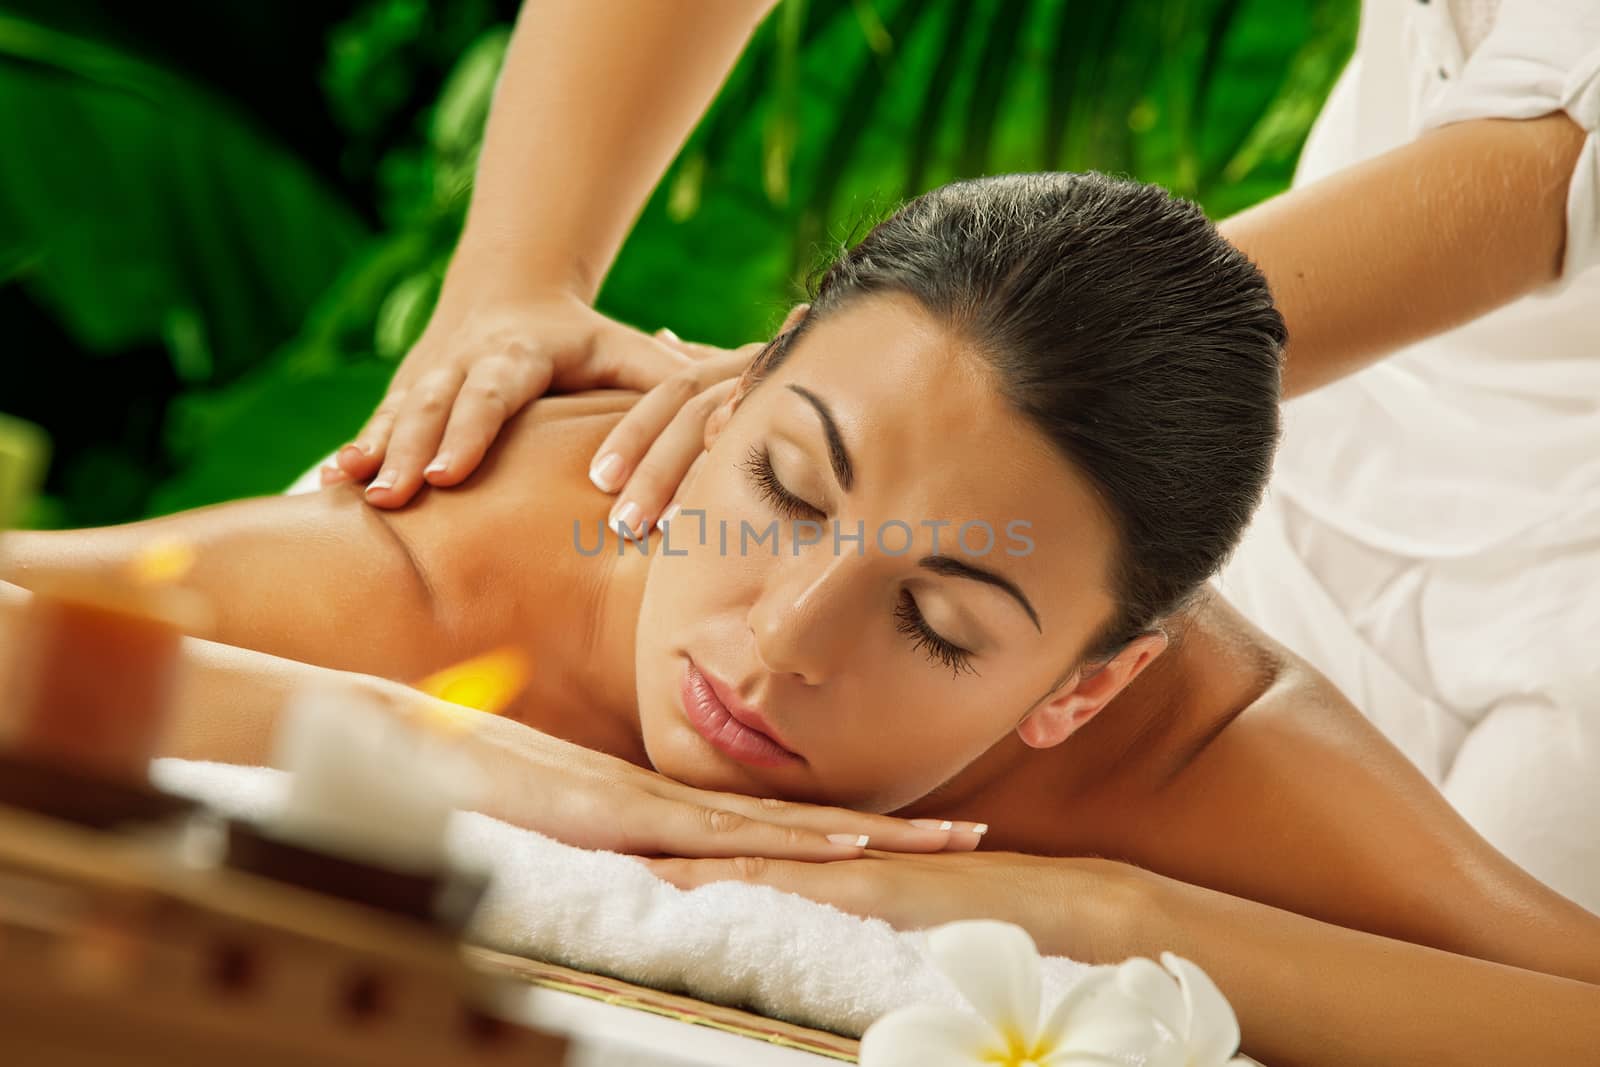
x=675 y=750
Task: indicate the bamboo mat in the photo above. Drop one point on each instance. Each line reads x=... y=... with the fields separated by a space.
x=684 y=1009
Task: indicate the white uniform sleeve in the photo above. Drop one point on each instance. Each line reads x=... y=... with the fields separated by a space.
x=1541 y=56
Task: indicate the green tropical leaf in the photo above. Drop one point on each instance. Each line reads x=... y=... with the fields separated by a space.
x=140 y=196
x=268 y=428
x=146 y=214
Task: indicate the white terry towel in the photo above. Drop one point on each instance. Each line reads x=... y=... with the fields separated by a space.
x=746 y=946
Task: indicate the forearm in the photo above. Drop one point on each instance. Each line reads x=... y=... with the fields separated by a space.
x=1309 y=993
x=1413 y=242
x=594 y=100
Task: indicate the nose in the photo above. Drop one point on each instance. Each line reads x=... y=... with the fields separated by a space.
x=801 y=618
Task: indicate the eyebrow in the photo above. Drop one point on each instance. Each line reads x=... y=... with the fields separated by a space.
x=839 y=459
x=955 y=568
x=838 y=455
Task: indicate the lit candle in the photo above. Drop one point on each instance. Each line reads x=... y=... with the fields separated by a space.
x=366 y=782
x=95 y=665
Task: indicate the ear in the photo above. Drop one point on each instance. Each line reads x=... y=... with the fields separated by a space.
x=718 y=419
x=1069 y=706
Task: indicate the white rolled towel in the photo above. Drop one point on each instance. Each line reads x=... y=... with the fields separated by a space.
x=746 y=946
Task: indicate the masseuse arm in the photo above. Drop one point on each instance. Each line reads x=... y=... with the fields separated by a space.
x=595 y=98
x=1413 y=242
x=1423 y=238
x=1418 y=240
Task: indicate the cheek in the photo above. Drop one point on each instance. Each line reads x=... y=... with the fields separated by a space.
x=910 y=727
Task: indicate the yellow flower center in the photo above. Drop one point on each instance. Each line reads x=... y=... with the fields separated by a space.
x=1017 y=1053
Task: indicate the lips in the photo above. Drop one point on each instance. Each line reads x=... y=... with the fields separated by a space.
x=736 y=736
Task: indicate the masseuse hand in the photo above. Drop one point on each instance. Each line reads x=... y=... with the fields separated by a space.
x=1088 y=908
x=646 y=455
x=594 y=800
x=473 y=369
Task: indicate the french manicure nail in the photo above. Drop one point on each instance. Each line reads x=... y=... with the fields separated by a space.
x=382 y=481
x=439 y=463
x=626 y=519
x=666 y=334
x=856 y=840
x=933 y=824
x=980 y=828
x=662 y=521
x=604 y=473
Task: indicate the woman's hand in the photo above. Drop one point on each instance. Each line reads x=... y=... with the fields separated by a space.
x=593 y=800
x=647 y=454
x=1084 y=908
x=472 y=370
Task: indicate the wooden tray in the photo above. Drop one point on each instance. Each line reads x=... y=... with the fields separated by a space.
x=113 y=950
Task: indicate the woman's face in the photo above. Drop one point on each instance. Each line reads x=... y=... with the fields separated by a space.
x=886 y=663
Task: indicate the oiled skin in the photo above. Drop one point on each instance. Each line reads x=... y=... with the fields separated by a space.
x=1227 y=764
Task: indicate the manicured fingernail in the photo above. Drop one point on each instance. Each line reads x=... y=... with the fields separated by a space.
x=666 y=334
x=604 y=473
x=440 y=463
x=626 y=519
x=854 y=840
x=662 y=521
x=383 y=481
x=932 y=824
x=980 y=828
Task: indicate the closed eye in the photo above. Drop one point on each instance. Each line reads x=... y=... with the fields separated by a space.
x=758 y=464
x=909 y=619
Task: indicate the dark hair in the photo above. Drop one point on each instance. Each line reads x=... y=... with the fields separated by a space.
x=1143 y=344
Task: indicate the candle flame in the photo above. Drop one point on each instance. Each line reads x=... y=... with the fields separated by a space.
x=162 y=562
x=486 y=683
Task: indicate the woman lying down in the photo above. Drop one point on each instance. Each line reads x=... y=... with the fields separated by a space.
x=940 y=568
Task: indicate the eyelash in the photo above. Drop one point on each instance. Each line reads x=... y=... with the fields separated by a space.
x=759 y=465
x=908 y=617
x=909 y=621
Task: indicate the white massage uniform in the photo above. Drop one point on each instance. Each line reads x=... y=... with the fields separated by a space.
x=1431 y=537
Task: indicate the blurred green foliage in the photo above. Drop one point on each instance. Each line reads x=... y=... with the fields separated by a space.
x=213 y=251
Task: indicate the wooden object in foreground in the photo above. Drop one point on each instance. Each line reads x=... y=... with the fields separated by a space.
x=114 y=952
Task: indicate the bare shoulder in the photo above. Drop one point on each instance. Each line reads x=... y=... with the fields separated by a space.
x=1217 y=667
x=560 y=433
x=483 y=544
x=1248 y=725
x=1296 y=799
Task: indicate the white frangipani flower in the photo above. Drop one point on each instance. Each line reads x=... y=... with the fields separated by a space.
x=996 y=967
x=1187 y=1003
